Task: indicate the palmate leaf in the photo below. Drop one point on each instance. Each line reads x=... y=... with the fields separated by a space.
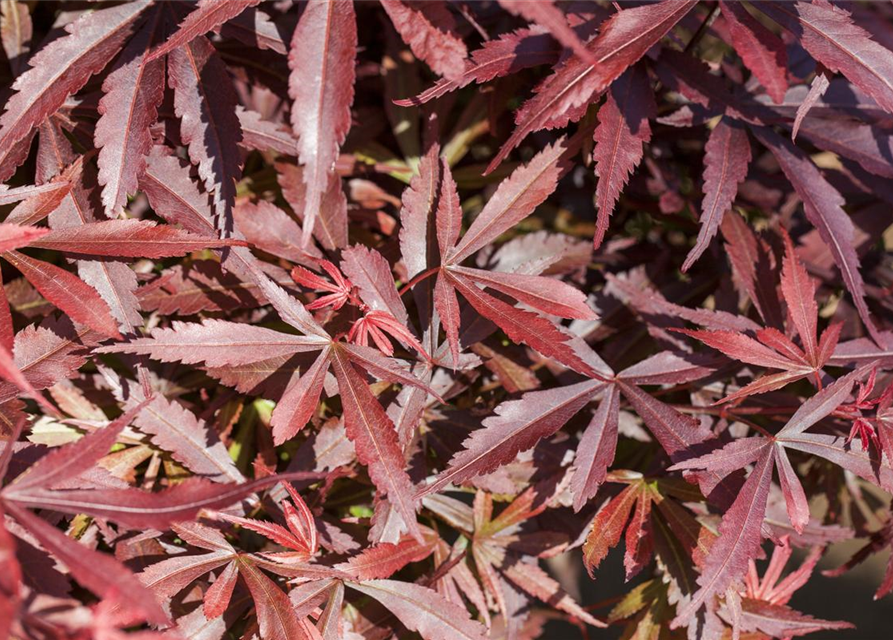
x=771 y=348
x=57 y=71
x=514 y=200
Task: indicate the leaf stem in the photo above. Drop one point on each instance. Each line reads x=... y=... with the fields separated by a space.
x=422 y=276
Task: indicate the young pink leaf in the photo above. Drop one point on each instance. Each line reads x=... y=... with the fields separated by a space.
x=321 y=84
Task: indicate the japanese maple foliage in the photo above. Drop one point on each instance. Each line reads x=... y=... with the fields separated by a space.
x=329 y=319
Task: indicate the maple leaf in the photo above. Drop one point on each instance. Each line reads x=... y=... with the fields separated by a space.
x=367 y=423
x=513 y=201
x=771 y=348
x=275 y=615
